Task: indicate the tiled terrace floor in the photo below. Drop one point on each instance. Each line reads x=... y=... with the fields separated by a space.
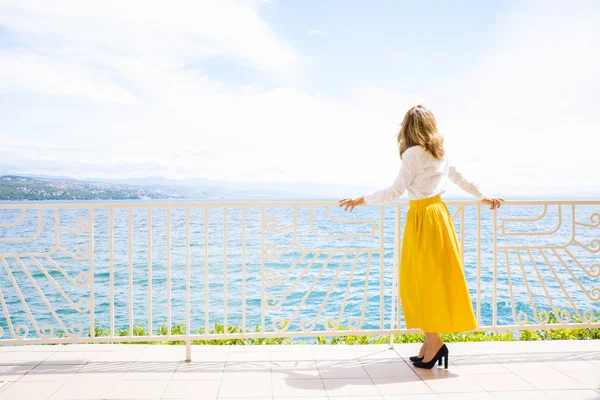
x=518 y=370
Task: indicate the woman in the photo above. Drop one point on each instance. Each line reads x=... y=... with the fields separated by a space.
x=433 y=290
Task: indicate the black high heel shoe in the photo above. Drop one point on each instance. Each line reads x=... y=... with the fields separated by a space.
x=441 y=354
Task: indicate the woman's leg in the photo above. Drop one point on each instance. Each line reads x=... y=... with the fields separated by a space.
x=434 y=343
x=423 y=347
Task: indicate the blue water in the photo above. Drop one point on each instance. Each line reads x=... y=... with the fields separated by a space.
x=322 y=293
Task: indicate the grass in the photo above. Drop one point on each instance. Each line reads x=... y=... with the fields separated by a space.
x=525 y=335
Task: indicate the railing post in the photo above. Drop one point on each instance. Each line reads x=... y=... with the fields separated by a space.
x=395 y=266
x=130 y=254
x=381 y=269
x=262 y=269
x=495 y=266
x=188 y=320
x=111 y=265
x=478 y=265
x=188 y=350
x=92 y=275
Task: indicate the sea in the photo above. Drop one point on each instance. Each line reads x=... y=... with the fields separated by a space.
x=322 y=267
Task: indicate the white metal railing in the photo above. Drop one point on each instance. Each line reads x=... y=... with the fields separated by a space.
x=277 y=269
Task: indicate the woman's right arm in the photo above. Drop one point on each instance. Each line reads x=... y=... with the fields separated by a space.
x=470 y=187
x=461 y=181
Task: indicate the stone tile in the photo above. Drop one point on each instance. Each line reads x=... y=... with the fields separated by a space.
x=466 y=396
x=401 y=385
x=295 y=370
x=594 y=359
x=561 y=369
x=367 y=347
x=162 y=353
x=460 y=384
x=483 y=369
x=14 y=372
x=298 y=388
x=573 y=365
x=20 y=357
x=37 y=348
x=147 y=390
x=94 y=347
x=109 y=371
x=152 y=370
x=551 y=380
x=249 y=398
x=382 y=355
x=520 y=395
x=528 y=367
x=30 y=390
x=116 y=356
x=209 y=355
x=590 y=379
x=334 y=355
x=457 y=349
x=247 y=367
x=318 y=398
x=516 y=347
x=350 y=387
x=246 y=385
x=342 y=370
x=437 y=372
x=411 y=397
x=245 y=356
x=471 y=359
x=51 y=372
x=387 y=369
x=355 y=398
x=71 y=357
x=509 y=357
x=199 y=371
x=290 y=355
x=573 y=394
x=502 y=382
x=83 y=390
x=192 y=390
x=474 y=365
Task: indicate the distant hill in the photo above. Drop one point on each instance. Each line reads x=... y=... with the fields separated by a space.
x=291 y=190
x=37 y=188
x=14 y=187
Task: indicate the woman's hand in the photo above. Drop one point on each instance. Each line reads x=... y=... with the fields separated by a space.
x=494 y=202
x=351 y=203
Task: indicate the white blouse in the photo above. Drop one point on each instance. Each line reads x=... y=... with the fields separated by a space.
x=423 y=176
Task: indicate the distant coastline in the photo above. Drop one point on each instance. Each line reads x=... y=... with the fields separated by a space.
x=15 y=188
x=31 y=188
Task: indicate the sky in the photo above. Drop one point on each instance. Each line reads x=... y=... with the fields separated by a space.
x=301 y=91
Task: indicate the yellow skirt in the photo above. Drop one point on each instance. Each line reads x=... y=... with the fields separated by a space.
x=434 y=293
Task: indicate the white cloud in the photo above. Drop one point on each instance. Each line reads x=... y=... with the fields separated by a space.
x=524 y=114
x=114 y=31
x=313 y=32
x=47 y=76
x=524 y=118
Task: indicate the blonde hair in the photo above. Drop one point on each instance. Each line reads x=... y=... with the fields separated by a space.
x=419 y=128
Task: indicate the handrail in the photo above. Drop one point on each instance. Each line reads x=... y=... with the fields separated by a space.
x=272 y=264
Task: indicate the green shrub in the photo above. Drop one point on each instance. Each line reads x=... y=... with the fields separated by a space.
x=219 y=329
